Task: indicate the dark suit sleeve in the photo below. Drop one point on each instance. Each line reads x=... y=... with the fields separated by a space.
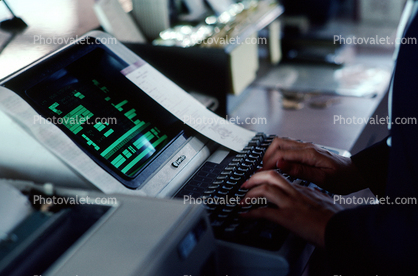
x=374 y=240
x=373 y=166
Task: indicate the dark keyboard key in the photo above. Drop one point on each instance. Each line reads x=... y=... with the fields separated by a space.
x=246 y=207
x=226 y=173
x=235 y=178
x=214 y=186
x=254 y=143
x=227 y=187
x=243 y=170
x=254 y=158
x=227 y=210
x=238 y=159
x=239 y=174
x=217 y=223
x=250 y=161
x=210 y=207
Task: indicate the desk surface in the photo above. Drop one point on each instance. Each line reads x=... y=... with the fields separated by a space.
x=317 y=124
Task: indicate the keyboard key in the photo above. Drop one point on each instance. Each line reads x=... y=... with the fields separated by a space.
x=238 y=174
x=237 y=159
x=243 y=170
x=235 y=178
x=226 y=173
x=214 y=187
x=217 y=223
x=227 y=187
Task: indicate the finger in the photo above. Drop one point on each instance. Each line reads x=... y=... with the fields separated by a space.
x=306 y=163
x=273 y=194
x=313 y=194
x=271 y=177
x=277 y=145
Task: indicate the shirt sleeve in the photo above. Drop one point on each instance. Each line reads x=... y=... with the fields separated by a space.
x=372 y=164
x=374 y=239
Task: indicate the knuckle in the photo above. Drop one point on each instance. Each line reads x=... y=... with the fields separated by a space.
x=264 y=189
x=272 y=174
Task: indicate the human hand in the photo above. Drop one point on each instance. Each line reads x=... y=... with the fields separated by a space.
x=302 y=210
x=332 y=172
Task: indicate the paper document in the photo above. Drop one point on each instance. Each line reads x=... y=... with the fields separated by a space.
x=186 y=108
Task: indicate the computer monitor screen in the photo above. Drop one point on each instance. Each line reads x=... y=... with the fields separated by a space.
x=109 y=117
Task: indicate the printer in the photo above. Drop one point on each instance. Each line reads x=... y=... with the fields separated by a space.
x=67 y=232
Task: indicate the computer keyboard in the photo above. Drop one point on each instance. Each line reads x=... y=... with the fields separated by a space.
x=216 y=184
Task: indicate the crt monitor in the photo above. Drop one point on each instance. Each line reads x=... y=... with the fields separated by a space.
x=108 y=117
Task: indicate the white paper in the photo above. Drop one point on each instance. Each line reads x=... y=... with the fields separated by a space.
x=117 y=22
x=14 y=207
x=186 y=108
